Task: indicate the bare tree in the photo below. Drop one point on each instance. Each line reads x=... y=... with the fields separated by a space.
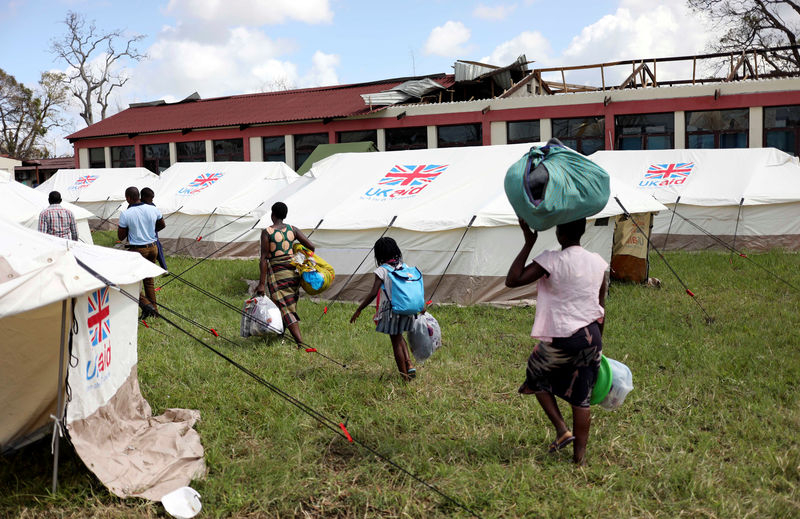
x=94 y=61
x=26 y=115
x=748 y=24
x=279 y=84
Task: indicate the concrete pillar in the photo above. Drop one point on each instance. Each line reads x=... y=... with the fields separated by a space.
x=173 y=153
x=381 y=144
x=83 y=158
x=433 y=137
x=545 y=129
x=107 y=153
x=756 y=136
x=256 y=150
x=499 y=132
x=680 y=130
x=209 y=151
x=289 y=148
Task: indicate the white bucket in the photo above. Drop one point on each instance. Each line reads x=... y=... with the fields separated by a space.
x=621 y=385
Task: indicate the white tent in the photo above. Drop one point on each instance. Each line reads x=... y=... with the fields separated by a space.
x=106 y=417
x=749 y=198
x=432 y=195
x=208 y=204
x=101 y=191
x=22 y=204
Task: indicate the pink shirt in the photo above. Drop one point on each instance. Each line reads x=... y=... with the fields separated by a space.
x=567 y=298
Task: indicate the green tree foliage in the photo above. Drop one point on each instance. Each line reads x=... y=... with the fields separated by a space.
x=748 y=24
x=94 y=60
x=26 y=115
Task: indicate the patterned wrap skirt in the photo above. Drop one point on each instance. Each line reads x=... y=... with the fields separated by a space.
x=283 y=282
x=389 y=322
x=567 y=367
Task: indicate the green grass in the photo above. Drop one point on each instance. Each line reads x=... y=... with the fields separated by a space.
x=710 y=429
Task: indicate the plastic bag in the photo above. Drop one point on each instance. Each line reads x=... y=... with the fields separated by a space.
x=316 y=274
x=425 y=336
x=552 y=184
x=261 y=316
x=621 y=385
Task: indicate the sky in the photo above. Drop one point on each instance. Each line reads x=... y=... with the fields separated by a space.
x=229 y=47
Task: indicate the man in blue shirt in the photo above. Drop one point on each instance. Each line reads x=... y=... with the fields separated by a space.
x=139 y=223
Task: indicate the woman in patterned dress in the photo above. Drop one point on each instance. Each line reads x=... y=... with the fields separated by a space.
x=570 y=311
x=277 y=272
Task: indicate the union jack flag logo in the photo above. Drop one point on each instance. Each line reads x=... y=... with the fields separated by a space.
x=99 y=321
x=412 y=175
x=202 y=181
x=669 y=171
x=83 y=181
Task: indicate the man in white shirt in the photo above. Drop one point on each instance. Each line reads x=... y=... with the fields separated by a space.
x=139 y=223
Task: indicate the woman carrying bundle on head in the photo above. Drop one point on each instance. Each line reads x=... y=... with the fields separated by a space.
x=389 y=259
x=277 y=271
x=570 y=309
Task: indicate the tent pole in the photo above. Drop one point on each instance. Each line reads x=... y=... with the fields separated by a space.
x=59 y=414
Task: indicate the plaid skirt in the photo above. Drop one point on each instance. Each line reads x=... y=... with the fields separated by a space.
x=567 y=367
x=389 y=322
x=283 y=282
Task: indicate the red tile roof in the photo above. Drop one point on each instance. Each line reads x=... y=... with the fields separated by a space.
x=271 y=107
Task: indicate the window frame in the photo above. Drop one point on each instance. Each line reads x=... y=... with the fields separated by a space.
x=94 y=164
x=579 y=140
x=265 y=153
x=422 y=145
x=538 y=138
x=127 y=162
x=793 y=129
x=459 y=144
x=192 y=157
x=374 y=133
x=297 y=151
x=225 y=155
x=717 y=134
x=157 y=160
x=645 y=136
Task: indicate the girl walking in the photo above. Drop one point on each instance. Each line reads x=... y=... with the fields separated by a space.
x=388 y=257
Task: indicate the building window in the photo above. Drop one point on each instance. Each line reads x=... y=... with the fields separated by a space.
x=274 y=149
x=305 y=144
x=123 y=156
x=645 y=131
x=413 y=138
x=717 y=128
x=156 y=157
x=97 y=157
x=229 y=150
x=459 y=135
x=358 y=136
x=522 y=131
x=582 y=134
x=192 y=151
x=782 y=128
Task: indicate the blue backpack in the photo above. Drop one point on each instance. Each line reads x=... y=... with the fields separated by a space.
x=408 y=290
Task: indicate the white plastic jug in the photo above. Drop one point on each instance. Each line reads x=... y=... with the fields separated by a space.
x=621 y=385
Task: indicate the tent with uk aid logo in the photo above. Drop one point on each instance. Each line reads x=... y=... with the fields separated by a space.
x=101 y=191
x=447 y=210
x=68 y=318
x=212 y=207
x=716 y=198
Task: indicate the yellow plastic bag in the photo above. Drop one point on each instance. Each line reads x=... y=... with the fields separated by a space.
x=316 y=274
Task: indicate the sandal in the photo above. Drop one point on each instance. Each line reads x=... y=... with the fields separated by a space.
x=562 y=441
